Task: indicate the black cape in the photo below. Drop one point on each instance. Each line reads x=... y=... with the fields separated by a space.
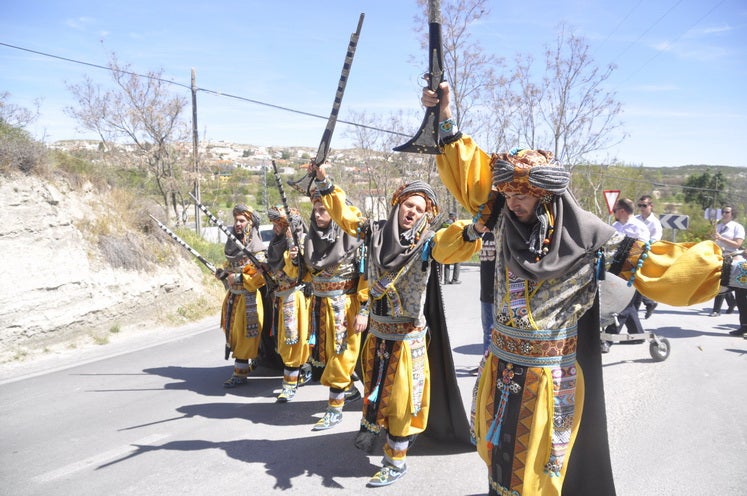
x=447 y=421
x=589 y=468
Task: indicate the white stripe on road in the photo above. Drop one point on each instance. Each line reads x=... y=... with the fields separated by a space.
x=99 y=459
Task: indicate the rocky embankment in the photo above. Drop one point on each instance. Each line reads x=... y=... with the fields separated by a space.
x=59 y=286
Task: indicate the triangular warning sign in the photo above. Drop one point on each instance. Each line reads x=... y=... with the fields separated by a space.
x=610 y=196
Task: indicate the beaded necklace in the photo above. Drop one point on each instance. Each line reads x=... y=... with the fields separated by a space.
x=550 y=232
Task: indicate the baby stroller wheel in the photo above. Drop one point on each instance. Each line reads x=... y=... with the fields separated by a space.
x=659 y=349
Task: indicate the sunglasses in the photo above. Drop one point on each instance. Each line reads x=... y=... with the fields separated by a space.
x=726 y=211
x=644 y=205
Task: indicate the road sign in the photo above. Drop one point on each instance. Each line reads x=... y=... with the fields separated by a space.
x=673 y=221
x=610 y=196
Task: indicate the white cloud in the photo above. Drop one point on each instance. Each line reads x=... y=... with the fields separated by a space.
x=80 y=23
x=707 y=31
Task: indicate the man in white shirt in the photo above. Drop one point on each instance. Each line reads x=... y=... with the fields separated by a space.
x=646 y=208
x=729 y=236
x=626 y=223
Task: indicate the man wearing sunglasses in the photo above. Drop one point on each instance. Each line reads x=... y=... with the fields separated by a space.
x=646 y=208
x=729 y=236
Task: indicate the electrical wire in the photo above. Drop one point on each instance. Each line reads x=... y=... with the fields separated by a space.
x=206 y=90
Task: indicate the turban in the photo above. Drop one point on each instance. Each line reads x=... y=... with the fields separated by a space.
x=418 y=188
x=277 y=213
x=529 y=172
x=246 y=211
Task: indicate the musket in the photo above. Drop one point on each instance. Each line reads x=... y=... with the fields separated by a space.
x=304 y=184
x=259 y=265
x=191 y=250
x=294 y=235
x=426 y=139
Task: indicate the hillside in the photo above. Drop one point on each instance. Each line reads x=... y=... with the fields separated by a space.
x=73 y=275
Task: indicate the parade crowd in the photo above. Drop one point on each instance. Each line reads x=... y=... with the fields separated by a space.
x=339 y=297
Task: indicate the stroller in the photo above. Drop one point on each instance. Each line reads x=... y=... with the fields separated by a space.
x=614 y=295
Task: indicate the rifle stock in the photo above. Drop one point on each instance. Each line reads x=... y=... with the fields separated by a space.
x=303 y=184
x=426 y=139
x=294 y=235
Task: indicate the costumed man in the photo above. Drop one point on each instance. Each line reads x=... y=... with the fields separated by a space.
x=242 y=311
x=406 y=353
x=338 y=312
x=291 y=317
x=538 y=415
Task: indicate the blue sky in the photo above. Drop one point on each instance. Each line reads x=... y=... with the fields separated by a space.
x=681 y=64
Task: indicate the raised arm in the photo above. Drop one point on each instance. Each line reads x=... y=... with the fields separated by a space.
x=463 y=167
x=348 y=217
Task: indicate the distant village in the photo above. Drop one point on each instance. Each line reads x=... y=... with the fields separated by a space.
x=223 y=157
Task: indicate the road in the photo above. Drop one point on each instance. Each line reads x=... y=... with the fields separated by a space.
x=147 y=414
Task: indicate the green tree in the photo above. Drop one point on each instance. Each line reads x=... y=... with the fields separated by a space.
x=705 y=189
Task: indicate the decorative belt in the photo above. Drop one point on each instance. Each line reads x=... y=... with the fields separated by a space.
x=535 y=348
x=333 y=287
x=396 y=331
x=241 y=292
x=288 y=291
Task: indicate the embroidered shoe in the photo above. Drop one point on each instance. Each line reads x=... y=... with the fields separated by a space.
x=387 y=475
x=352 y=394
x=331 y=418
x=305 y=376
x=287 y=394
x=235 y=380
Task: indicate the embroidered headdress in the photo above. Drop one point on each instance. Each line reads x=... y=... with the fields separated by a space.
x=529 y=172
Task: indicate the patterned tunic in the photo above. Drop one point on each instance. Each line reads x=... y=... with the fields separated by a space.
x=338 y=293
x=242 y=312
x=395 y=363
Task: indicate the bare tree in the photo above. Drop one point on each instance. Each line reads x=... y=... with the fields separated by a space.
x=141 y=110
x=18 y=150
x=581 y=114
x=15 y=115
x=567 y=110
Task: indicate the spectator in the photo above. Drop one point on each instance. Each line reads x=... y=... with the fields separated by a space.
x=487 y=276
x=629 y=225
x=451 y=271
x=646 y=207
x=729 y=236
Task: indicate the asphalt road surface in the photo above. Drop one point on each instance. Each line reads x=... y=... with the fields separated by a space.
x=148 y=414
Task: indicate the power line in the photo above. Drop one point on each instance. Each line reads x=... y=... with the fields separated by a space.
x=645 y=31
x=611 y=177
x=92 y=65
x=675 y=40
x=622 y=21
x=206 y=90
x=272 y=105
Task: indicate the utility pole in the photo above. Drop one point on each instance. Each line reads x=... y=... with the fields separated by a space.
x=195 y=144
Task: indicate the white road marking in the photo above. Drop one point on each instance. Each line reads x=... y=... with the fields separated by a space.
x=98 y=459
